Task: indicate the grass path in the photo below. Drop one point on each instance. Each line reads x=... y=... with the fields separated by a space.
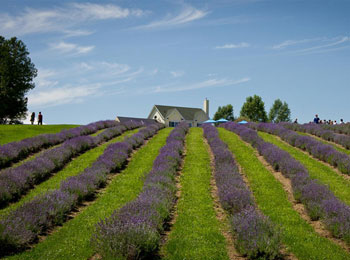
x=72 y=240
x=11 y=133
x=298 y=237
x=196 y=232
x=74 y=167
x=339 y=185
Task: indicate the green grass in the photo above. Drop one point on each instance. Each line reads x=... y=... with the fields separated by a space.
x=72 y=241
x=298 y=236
x=196 y=232
x=317 y=170
x=73 y=168
x=340 y=149
x=11 y=133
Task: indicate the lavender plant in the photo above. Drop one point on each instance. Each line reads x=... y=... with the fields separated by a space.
x=16 y=151
x=17 y=181
x=133 y=232
x=23 y=225
x=319 y=201
x=255 y=235
x=315 y=148
x=323 y=132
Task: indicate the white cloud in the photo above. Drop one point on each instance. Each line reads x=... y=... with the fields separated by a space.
x=204 y=84
x=233 y=46
x=324 y=45
x=336 y=42
x=71 y=48
x=288 y=43
x=43 y=79
x=75 y=33
x=188 y=14
x=177 y=74
x=104 y=68
x=154 y=72
x=61 y=19
x=91 y=11
x=79 y=81
x=59 y=96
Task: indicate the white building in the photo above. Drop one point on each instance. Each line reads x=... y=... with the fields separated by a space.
x=171 y=116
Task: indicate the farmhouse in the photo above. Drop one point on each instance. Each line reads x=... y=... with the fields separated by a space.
x=171 y=116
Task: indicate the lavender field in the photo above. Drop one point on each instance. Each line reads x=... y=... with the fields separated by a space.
x=109 y=190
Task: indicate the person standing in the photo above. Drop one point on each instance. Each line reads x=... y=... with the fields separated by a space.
x=316 y=119
x=32 y=118
x=40 y=119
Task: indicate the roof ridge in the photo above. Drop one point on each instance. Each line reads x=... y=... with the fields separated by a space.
x=180 y=107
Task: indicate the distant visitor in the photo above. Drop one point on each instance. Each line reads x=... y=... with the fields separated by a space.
x=316 y=119
x=40 y=119
x=32 y=118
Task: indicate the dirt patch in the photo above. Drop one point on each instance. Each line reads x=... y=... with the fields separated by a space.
x=95 y=257
x=318 y=226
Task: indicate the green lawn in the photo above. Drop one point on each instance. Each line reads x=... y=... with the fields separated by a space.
x=11 y=133
x=317 y=170
x=297 y=235
x=196 y=232
x=74 y=167
x=72 y=240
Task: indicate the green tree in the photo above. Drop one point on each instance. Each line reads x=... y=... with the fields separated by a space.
x=254 y=109
x=224 y=112
x=16 y=79
x=279 y=112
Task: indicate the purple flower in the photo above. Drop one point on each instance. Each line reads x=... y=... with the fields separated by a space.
x=134 y=231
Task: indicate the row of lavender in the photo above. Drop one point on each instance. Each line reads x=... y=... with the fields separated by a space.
x=318 y=130
x=317 y=198
x=15 y=182
x=133 y=232
x=340 y=129
x=316 y=148
x=255 y=235
x=16 y=151
x=23 y=225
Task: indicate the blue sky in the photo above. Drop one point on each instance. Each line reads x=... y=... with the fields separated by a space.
x=100 y=59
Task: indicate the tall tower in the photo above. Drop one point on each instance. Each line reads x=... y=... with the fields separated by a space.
x=206 y=106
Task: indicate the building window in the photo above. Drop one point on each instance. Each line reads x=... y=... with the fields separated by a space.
x=173 y=124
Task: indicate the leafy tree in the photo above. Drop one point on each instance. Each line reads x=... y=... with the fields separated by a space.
x=16 y=79
x=254 y=109
x=279 y=112
x=224 y=112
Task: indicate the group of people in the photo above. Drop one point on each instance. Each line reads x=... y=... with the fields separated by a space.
x=40 y=118
x=317 y=120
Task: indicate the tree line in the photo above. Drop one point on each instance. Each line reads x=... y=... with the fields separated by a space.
x=254 y=110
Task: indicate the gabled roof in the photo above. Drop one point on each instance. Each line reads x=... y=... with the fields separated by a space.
x=145 y=121
x=188 y=113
